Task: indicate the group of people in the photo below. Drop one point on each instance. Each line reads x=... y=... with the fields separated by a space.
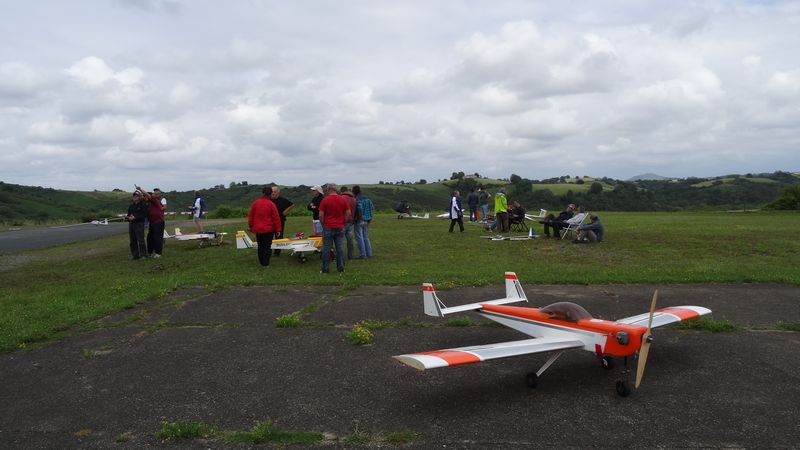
x=146 y=211
x=594 y=231
x=505 y=215
x=341 y=217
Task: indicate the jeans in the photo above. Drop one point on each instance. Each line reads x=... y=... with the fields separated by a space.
x=348 y=234
x=362 y=239
x=332 y=237
x=484 y=212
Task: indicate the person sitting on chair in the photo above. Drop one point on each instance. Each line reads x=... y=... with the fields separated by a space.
x=517 y=211
x=593 y=231
x=557 y=223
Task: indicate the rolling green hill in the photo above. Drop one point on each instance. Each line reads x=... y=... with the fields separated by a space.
x=20 y=204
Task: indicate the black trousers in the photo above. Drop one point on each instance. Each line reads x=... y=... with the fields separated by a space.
x=456 y=220
x=264 y=247
x=155 y=238
x=279 y=235
x=136 y=235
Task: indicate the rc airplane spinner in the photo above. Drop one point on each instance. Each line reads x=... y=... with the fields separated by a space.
x=554 y=328
x=203 y=237
x=300 y=246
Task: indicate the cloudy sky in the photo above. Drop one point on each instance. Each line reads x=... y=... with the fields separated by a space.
x=184 y=94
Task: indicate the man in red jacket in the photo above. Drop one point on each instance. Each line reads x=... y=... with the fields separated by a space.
x=264 y=221
x=333 y=211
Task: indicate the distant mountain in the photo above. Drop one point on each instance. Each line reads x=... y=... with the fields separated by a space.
x=648 y=176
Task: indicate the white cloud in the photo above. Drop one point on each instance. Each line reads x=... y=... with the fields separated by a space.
x=372 y=91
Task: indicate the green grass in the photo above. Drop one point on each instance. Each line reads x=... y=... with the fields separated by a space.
x=788 y=326
x=266 y=432
x=46 y=294
x=708 y=324
x=359 y=335
x=174 y=431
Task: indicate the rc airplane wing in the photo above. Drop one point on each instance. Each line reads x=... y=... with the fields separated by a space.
x=667 y=316
x=542 y=215
x=478 y=353
x=203 y=237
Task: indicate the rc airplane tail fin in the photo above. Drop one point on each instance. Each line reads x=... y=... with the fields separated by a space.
x=177 y=231
x=426 y=216
x=244 y=241
x=434 y=307
x=166 y=235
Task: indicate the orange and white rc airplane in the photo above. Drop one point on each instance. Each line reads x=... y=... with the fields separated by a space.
x=555 y=328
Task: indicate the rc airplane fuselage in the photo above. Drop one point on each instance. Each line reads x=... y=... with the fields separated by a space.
x=554 y=328
x=203 y=237
x=302 y=247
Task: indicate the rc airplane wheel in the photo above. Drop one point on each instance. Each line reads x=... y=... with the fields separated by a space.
x=303 y=259
x=623 y=389
x=607 y=362
x=532 y=380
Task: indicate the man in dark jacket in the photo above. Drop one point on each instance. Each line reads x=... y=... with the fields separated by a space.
x=137 y=212
x=284 y=205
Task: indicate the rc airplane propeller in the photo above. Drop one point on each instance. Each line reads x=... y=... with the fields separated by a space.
x=555 y=328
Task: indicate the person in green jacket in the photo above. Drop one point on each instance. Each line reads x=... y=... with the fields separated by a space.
x=501 y=210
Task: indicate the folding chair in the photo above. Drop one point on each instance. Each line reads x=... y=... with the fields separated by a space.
x=573 y=224
x=517 y=223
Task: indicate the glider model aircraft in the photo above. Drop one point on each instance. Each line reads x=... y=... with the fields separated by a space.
x=542 y=215
x=303 y=247
x=413 y=216
x=554 y=328
x=531 y=235
x=104 y=221
x=203 y=238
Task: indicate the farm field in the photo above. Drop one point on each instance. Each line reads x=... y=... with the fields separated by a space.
x=45 y=294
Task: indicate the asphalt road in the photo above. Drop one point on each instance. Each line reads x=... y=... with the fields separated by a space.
x=218 y=358
x=32 y=238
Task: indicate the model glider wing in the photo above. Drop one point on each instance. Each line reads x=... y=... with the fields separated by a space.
x=666 y=316
x=478 y=353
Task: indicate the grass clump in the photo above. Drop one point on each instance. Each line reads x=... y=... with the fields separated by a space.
x=709 y=324
x=460 y=321
x=266 y=432
x=401 y=437
x=359 y=335
x=788 y=326
x=288 y=321
x=173 y=431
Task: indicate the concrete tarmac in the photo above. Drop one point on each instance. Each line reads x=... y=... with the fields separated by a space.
x=218 y=358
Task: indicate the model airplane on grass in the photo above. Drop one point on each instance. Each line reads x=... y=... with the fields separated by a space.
x=203 y=237
x=497 y=237
x=301 y=246
x=555 y=328
x=413 y=216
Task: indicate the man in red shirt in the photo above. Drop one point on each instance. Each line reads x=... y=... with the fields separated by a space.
x=155 y=217
x=333 y=212
x=264 y=221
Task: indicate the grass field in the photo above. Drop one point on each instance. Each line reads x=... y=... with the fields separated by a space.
x=47 y=293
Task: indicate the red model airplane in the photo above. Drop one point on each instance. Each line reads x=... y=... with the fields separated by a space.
x=555 y=328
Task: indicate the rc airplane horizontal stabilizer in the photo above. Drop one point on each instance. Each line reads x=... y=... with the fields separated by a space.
x=554 y=328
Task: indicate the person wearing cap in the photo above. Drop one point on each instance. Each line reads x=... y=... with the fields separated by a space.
x=501 y=210
x=137 y=212
x=313 y=206
x=264 y=220
x=557 y=223
x=284 y=206
x=594 y=231
x=333 y=210
x=155 y=217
